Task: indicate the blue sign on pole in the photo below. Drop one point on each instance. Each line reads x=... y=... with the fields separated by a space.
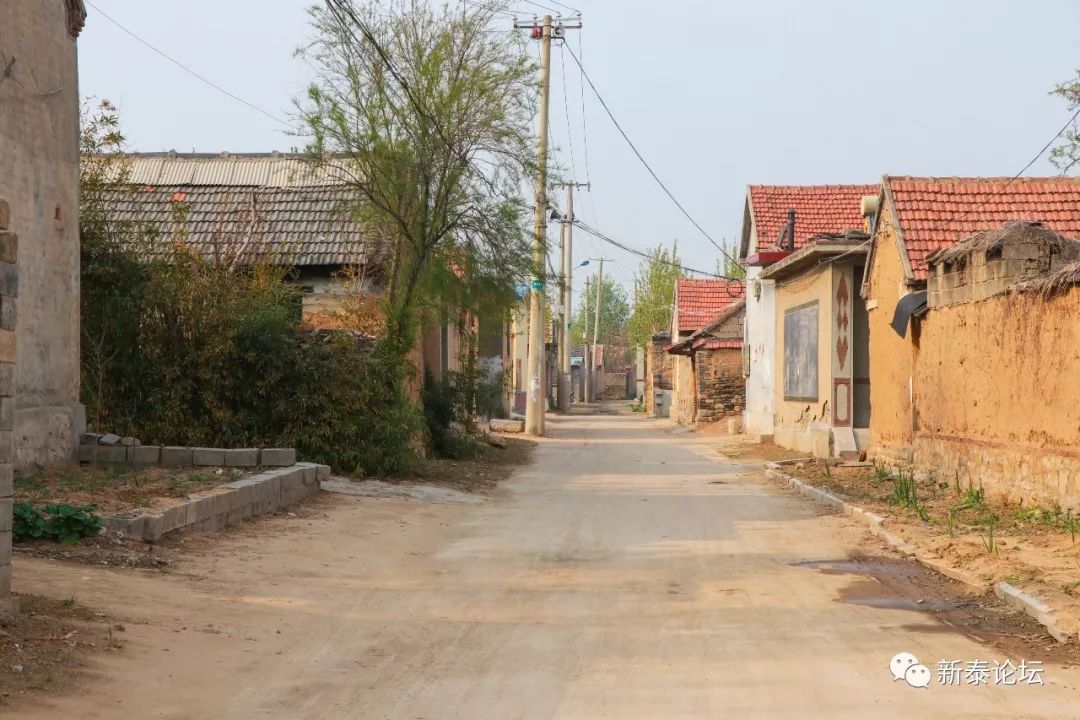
x=537 y=285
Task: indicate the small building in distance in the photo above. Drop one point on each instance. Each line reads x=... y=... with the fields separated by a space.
x=706 y=371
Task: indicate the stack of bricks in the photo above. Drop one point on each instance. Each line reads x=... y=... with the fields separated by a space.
x=9 y=290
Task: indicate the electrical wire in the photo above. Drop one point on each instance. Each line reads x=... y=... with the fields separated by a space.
x=564 y=5
x=544 y=7
x=634 y=251
x=188 y=70
x=566 y=106
x=646 y=164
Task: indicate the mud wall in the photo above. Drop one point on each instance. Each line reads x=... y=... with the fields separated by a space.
x=890 y=354
x=996 y=396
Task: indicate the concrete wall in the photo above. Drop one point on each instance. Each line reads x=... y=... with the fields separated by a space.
x=758 y=418
x=39 y=177
x=996 y=396
x=890 y=355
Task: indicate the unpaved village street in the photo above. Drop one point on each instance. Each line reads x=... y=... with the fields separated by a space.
x=628 y=572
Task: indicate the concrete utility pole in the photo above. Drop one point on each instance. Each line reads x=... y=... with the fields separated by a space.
x=567 y=294
x=536 y=396
x=596 y=323
x=586 y=362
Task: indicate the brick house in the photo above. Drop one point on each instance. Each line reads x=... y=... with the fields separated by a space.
x=276 y=208
x=716 y=380
x=917 y=217
x=706 y=372
x=777 y=221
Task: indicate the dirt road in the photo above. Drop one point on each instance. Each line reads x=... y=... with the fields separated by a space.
x=624 y=574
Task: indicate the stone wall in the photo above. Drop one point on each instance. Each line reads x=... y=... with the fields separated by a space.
x=658 y=365
x=39 y=177
x=996 y=399
x=721 y=389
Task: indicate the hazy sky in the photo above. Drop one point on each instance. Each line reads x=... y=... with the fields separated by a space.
x=716 y=95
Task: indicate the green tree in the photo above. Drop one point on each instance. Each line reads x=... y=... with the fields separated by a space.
x=727 y=265
x=1066 y=154
x=654 y=285
x=427 y=114
x=614 y=315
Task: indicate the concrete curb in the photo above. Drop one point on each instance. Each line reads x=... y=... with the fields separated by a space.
x=1019 y=599
x=226 y=505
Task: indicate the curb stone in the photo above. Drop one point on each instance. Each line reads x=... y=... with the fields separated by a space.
x=1015 y=597
x=225 y=505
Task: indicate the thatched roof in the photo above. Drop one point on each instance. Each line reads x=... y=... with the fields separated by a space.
x=1020 y=231
x=1053 y=283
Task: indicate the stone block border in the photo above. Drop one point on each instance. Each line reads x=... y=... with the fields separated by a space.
x=1019 y=599
x=175 y=456
x=226 y=505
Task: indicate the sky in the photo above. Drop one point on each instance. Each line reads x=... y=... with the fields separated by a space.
x=716 y=95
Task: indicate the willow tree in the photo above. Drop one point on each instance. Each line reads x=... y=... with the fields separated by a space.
x=427 y=113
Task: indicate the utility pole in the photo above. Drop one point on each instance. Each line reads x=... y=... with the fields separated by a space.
x=536 y=396
x=586 y=364
x=596 y=323
x=567 y=294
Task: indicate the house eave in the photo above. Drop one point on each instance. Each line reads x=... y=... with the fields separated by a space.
x=810 y=256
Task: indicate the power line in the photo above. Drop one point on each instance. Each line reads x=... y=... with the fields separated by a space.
x=549 y=8
x=566 y=106
x=188 y=70
x=647 y=256
x=1045 y=147
x=564 y=5
x=646 y=164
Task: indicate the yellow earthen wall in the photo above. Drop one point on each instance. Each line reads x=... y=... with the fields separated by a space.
x=890 y=355
x=997 y=398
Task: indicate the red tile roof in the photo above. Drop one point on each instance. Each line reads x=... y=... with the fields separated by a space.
x=936 y=213
x=818 y=209
x=714 y=344
x=699 y=301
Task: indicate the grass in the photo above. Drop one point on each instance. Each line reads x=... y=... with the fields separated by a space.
x=1070 y=588
x=116 y=488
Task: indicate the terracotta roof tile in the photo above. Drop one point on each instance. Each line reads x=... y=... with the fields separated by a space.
x=936 y=213
x=819 y=209
x=702 y=300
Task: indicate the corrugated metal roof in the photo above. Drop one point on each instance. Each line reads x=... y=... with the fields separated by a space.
x=274 y=208
x=273 y=170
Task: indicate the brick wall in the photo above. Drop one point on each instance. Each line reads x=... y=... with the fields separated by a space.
x=721 y=388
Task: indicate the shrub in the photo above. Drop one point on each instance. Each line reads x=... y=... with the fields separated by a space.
x=61 y=522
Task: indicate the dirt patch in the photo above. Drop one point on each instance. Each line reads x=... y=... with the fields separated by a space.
x=45 y=646
x=1035 y=549
x=743 y=447
x=119 y=489
x=488 y=469
x=109 y=548
x=897 y=584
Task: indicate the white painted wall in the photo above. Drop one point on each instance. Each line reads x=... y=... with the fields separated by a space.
x=761 y=338
x=761 y=341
